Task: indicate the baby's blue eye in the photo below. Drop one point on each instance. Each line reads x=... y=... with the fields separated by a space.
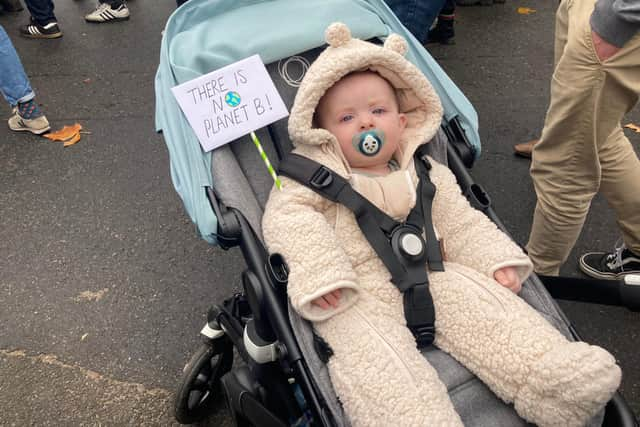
x=346 y=118
x=379 y=111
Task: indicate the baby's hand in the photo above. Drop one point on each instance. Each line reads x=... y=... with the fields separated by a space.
x=325 y=302
x=508 y=277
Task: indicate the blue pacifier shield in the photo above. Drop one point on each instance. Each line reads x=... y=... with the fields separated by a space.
x=369 y=142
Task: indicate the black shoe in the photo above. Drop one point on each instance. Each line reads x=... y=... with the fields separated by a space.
x=615 y=265
x=443 y=32
x=37 y=31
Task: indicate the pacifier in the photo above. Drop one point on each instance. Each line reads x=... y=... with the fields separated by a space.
x=369 y=142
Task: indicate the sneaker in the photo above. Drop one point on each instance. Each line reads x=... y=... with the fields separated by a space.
x=104 y=13
x=38 y=125
x=37 y=31
x=612 y=266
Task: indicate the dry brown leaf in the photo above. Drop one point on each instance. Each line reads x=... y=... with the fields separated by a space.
x=633 y=127
x=72 y=140
x=67 y=132
x=526 y=11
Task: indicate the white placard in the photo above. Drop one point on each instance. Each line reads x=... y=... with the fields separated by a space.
x=230 y=102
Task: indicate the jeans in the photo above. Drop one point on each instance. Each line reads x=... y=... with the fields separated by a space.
x=416 y=15
x=14 y=84
x=41 y=11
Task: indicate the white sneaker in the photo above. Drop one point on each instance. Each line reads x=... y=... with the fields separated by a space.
x=104 y=13
x=37 y=126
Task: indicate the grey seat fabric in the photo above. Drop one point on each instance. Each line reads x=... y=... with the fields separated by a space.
x=242 y=182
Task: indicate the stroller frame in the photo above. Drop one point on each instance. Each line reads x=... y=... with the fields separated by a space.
x=277 y=384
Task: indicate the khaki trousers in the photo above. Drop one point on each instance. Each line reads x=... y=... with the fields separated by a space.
x=583 y=149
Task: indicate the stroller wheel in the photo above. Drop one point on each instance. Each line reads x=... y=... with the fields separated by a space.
x=200 y=387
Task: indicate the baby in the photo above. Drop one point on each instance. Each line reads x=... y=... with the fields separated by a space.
x=362 y=111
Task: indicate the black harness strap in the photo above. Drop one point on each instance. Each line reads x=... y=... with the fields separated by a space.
x=427 y=191
x=371 y=220
x=386 y=235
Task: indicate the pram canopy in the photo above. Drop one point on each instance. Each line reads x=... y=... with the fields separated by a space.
x=220 y=32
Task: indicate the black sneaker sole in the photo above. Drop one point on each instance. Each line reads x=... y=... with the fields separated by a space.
x=597 y=274
x=42 y=36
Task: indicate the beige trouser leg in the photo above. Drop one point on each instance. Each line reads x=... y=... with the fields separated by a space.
x=582 y=148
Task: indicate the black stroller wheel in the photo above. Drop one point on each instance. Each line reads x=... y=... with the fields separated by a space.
x=200 y=387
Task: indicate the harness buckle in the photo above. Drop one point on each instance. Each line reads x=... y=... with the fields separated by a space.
x=420 y=314
x=323 y=177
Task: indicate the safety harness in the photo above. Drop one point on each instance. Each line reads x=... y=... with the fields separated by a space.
x=400 y=246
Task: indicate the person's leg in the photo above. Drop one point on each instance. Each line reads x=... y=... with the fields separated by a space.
x=416 y=15
x=16 y=89
x=14 y=83
x=588 y=100
x=444 y=32
x=43 y=23
x=41 y=11
x=620 y=186
x=525 y=149
x=113 y=3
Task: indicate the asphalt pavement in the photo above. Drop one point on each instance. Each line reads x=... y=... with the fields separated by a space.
x=104 y=282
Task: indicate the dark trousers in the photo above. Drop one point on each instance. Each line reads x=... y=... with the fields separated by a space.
x=180 y=2
x=41 y=11
x=416 y=15
x=113 y=3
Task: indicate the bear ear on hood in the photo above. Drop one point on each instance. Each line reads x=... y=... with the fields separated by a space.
x=396 y=43
x=337 y=34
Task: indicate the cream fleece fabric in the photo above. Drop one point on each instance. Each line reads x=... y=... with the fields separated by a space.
x=379 y=375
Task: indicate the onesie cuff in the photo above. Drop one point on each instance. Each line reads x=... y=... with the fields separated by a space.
x=349 y=295
x=523 y=267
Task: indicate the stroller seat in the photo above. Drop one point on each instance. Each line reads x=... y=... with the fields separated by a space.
x=241 y=182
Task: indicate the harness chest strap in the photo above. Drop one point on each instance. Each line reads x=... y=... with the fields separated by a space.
x=386 y=236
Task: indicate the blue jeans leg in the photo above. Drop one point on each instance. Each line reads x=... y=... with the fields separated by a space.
x=416 y=15
x=41 y=11
x=14 y=83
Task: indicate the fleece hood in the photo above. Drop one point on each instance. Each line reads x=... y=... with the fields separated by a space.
x=417 y=99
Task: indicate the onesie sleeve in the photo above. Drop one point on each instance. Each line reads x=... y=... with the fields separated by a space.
x=294 y=226
x=470 y=237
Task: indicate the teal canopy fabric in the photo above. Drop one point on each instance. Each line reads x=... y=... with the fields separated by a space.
x=204 y=35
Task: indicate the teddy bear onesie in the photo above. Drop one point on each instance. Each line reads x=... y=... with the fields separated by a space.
x=376 y=370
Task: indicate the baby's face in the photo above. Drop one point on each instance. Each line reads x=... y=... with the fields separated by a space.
x=358 y=103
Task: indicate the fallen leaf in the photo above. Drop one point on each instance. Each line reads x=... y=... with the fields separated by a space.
x=633 y=127
x=526 y=11
x=72 y=140
x=65 y=133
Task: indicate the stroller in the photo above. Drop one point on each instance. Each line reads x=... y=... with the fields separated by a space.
x=284 y=380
